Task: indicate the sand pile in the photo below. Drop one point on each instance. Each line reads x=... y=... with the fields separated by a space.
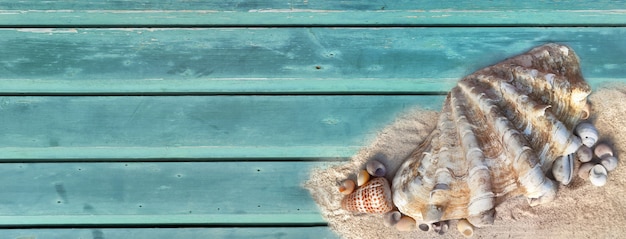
x=581 y=210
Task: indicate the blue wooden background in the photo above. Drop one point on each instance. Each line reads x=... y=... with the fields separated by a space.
x=201 y=119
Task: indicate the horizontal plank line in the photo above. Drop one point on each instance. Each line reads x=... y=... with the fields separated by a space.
x=227 y=86
x=176 y=154
x=174 y=94
x=246 y=26
x=312 y=18
x=174 y=160
x=160 y=221
x=217 y=87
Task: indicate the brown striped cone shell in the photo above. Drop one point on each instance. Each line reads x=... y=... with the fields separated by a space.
x=372 y=197
x=500 y=130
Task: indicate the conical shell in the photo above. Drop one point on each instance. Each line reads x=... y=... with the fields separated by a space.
x=372 y=197
x=499 y=132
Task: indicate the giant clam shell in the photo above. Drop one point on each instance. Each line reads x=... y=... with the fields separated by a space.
x=500 y=130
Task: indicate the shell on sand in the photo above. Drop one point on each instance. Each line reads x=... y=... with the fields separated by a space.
x=499 y=132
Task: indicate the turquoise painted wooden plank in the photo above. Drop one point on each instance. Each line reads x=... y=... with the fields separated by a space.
x=194 y=127
x=169 y=233
x=311 y=12
x=280 y=60
x=153 y=194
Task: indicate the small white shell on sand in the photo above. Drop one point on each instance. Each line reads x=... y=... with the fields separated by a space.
x=584 y=170
x=602 y=150
x=598 y=175
x=376 y=168
x=584 y=154
x=587 y=133
x=609 y=162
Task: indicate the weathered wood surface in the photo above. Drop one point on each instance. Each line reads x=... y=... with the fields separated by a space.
x=312 y=13
x=147 y=194
x=280 y=60
x=194 y=117
x=200 y=128
x=187 y=233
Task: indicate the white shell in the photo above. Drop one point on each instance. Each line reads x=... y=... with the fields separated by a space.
x=584 y=170
x=598 y=175
x=603 y=149
x=375 y=168
x=584 y=154
x=465 y=228
x=563 y=169
x=587 y=133
x=609 y=162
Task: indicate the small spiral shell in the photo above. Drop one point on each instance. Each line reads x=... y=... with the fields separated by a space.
x=609 y=162
x=347 y=187
x=598 y=175
x=602 y=150
x=584 y=154
x=376 y=168
x=584 y=170
x=587 y=133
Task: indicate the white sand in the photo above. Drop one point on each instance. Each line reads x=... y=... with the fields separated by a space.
x=581 y=210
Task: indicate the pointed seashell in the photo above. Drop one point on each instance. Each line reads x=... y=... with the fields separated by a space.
x=375 y=168
x=362 y=178
x=602 y=150
x=347 y=187
x=583 y=171
x=391 y=218
x=405 y=224
x=587 y=133
x=465 y=228
x=372 y=197
x=563 y=169
x=598 y=175
x=609 y=162
x=584 y=154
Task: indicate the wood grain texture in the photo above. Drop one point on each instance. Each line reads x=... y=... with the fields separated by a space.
x=310 y=13
x=152 y=194
x=194 y=127
x=280 y=60
x=187 y=233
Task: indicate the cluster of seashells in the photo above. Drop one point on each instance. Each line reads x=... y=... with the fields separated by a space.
x=594 y=169
x=517 y=128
